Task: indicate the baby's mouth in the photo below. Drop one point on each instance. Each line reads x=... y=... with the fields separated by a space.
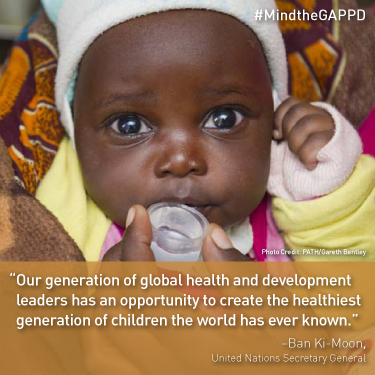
x=203 y=209
x=196 y=203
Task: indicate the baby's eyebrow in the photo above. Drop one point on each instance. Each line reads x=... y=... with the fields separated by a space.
x=127 y=96
x=223 y=91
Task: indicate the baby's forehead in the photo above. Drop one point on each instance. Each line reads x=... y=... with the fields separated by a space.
x=194 y=31
x=204 y=50
x=187 y=40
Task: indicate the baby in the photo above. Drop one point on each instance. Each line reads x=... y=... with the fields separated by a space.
x=174 y=101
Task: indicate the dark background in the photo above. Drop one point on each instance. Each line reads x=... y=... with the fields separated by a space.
x=13 y=15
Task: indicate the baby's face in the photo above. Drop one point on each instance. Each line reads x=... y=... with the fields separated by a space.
x=175 y=106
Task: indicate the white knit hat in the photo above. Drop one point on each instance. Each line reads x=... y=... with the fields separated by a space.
x=80 y=22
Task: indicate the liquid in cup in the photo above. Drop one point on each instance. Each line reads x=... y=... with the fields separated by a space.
x=177 y=232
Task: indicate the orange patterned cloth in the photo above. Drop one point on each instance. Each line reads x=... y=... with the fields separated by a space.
x=315 y=59
x=29 y=121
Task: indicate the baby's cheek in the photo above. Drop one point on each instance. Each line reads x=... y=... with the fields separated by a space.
x=107 y=190
x=246 y=190
x=251 y=193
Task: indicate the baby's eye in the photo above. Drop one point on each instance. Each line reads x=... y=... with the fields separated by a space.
x=130 y=125
x=224 y=118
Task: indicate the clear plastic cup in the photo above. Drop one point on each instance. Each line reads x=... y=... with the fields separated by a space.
x=177 y=232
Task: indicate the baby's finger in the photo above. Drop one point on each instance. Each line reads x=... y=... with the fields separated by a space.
x=295 y=114
x=138 y=236
x=310 y=148
x=218 y=248
x=307 y=126
x=279 y=115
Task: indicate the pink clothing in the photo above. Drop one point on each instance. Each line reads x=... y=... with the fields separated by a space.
x=291 y=180
x=367 y=133
x=114 y=236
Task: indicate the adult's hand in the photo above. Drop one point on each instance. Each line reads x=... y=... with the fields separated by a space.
x=217 y=247
x=135 y=245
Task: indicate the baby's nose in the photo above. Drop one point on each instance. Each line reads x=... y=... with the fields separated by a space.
x=181 y=161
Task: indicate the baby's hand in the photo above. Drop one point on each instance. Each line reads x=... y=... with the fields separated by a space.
x=306 y=128
x=136 y=244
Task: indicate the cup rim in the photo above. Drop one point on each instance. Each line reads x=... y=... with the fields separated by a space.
x=197 y=215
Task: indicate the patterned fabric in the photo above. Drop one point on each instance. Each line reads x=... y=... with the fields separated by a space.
x=355 y=94
x=28 y=232
x=29 y=122
x=314 y=55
